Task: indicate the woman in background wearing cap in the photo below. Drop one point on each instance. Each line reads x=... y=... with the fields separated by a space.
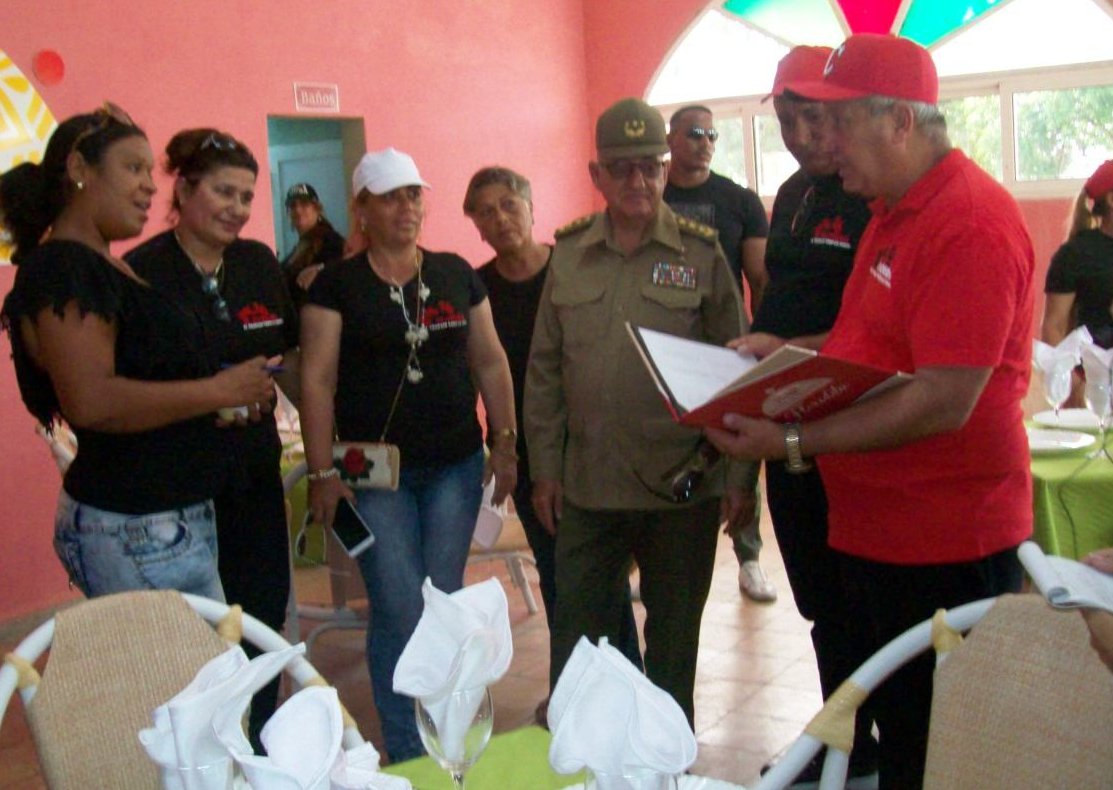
x=395 y=341
x=125 y=366
x=236 y=288
x=318 y=241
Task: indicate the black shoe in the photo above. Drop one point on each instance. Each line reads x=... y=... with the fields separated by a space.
x=861 y=774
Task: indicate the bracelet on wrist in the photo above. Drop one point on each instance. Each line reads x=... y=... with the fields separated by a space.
x=322 y=474
x=504 y=433
x=794 y=456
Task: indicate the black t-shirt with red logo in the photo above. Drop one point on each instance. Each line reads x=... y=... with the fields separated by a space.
x=262 y=321
x=435 y=421
x=813 y=235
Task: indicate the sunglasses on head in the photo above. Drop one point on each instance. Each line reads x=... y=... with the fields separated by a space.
x=220 y=142
x=108 y=113
x=697 y=133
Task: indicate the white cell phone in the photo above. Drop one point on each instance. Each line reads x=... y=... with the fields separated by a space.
x=350 y=529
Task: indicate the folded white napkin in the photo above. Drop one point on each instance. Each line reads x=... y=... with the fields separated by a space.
x=182 y=741
x=1097 y=361
x=358 y=769
x=1056 y=362
x=607 y=716
x=461 y=643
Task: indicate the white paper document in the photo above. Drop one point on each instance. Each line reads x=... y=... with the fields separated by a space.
x=1066 y=583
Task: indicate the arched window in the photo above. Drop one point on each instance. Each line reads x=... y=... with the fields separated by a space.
x=1026 y=85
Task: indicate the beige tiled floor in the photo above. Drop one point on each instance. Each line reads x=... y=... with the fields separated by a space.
x=756 y=687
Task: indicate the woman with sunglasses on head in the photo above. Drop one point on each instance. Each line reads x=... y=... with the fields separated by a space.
x=395 y=342
x=236 y=288
x=95 y=345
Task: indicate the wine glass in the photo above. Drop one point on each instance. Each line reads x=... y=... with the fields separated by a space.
x=455 y=730
x=1057 y=384
x=1097 y=394
x=629 y=779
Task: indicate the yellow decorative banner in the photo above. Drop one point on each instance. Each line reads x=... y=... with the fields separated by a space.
x=26 y=124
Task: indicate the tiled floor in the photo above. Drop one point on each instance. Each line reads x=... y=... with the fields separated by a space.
x=756 y=688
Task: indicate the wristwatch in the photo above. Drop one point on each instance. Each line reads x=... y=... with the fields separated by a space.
x=794 y=458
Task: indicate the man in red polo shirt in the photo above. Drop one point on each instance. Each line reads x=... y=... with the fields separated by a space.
x=928 y=484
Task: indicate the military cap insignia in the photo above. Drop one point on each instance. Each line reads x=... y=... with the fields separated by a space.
x=693 y=228
x=634 y=128
x=574 y=226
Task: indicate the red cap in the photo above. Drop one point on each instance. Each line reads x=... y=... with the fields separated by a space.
x=1101 y=181
x=870 y=64
x=801 y=64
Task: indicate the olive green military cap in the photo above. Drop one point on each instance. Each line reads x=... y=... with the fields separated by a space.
x=630 y=128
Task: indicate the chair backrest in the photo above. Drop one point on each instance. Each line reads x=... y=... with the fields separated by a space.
x=1023 y=702
x=112 y=661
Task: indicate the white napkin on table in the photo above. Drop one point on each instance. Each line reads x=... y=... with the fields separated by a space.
x=182 y=741
x=1056 y=362
x=607 y=716
x=1097 y=362
x=462 y=642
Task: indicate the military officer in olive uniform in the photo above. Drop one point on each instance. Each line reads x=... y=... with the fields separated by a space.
x=601 y=441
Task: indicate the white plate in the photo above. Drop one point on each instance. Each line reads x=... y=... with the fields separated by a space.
x=1071 y=419
x=1046 y=442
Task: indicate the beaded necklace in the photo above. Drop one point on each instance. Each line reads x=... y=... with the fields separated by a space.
x=416 y=331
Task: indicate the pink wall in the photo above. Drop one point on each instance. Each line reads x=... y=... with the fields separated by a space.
x=458 y=85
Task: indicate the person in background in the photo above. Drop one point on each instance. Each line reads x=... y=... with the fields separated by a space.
x=235 y=286
x=119 y=361
x=318 y=242
x=500 y=203
x=395 y=343
x=601 y=442
x=928 y=484
x=694 y=191
x=1079 y=288
x=814 y=232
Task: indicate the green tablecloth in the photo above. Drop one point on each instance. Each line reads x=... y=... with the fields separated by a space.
x=515 y=760
x=1072 y=502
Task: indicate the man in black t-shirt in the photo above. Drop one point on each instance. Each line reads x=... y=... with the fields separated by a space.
x=737 y=213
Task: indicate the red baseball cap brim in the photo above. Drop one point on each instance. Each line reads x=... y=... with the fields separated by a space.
x=1101 y=181
x=871 y=64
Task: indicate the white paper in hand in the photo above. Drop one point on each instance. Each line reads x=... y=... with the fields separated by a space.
x=607 y=716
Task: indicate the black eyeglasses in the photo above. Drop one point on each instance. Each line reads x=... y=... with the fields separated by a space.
x=697 y=133
x=107 y=113
x=210 y=286
x=803 y=212
x=220 y=142
x=620 y=169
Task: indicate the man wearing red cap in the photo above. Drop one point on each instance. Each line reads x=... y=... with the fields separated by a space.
x=813 y=234
x=928 y=484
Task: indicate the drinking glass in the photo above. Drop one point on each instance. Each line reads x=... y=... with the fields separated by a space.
x=630 y=779
x=1097 y=395
x=1057 y=385
x=455 y=730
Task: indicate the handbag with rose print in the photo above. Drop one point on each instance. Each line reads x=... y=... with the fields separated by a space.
x=367 y=464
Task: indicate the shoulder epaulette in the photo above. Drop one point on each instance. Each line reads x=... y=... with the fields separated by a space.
x=693 y=228
x=574 y=226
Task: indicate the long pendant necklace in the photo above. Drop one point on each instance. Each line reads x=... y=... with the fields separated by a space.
x=416 y=331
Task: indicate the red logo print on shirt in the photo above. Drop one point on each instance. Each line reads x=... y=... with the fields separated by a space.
x=830 y=233
x=442 y=314
x=257 y=316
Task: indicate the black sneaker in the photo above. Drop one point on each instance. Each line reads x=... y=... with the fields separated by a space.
x=861 y=773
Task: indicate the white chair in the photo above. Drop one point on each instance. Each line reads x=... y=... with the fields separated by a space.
x=511 y=548
x=1037 y=681
x=112 y=661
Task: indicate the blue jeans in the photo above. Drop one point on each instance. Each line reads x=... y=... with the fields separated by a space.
x=105 y=552
x=422 y=529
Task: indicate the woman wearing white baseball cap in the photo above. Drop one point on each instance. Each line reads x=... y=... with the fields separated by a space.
x=395 y=342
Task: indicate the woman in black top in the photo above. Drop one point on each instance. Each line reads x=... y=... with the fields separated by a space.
x=318 y=241
x=236 y=287
x=395 y=343
x=1079 y=289
x=126 y=367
